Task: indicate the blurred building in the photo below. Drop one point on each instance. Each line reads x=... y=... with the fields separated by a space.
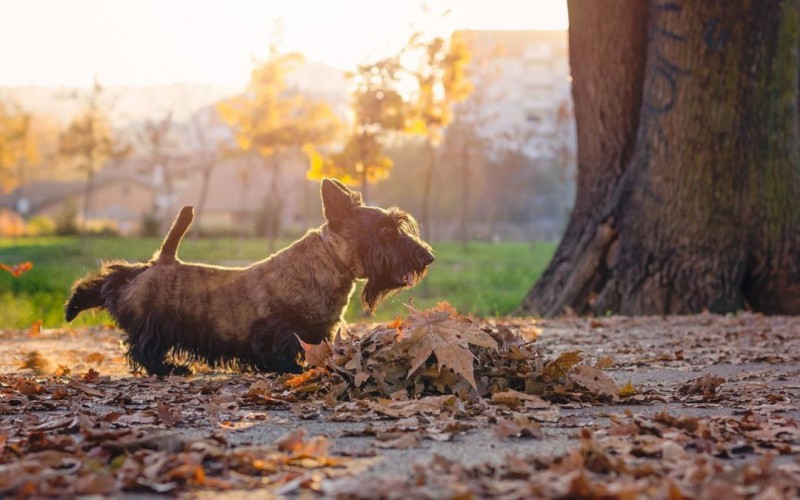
x=522 y=79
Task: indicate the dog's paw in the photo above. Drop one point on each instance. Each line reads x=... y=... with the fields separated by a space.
x=181 y=371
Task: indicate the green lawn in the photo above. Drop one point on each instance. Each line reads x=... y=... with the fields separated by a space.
x=486 y=279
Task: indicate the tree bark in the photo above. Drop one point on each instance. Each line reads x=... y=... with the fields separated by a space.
x=688 y=173
x=201 y=202
x=427 y=187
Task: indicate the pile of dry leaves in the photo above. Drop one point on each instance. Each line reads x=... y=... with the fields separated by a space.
x=435 y=352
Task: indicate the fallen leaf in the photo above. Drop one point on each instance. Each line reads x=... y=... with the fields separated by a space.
x=35 y=329
x=706 y=385
x=439 y=331
x=594 y=380
x=558 y=368
x=17 y=270
x=627 y=390
x=316 y=355
x=86 y=389
x=403 y=442
x=407 y=408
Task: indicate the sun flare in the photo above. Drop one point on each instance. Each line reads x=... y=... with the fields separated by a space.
x=51 y=42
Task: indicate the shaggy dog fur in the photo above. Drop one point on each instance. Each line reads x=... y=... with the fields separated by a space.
x=251 y=318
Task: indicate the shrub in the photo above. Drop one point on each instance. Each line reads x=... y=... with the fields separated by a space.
x=41 y=225
x=11 y=224
x=66 y=221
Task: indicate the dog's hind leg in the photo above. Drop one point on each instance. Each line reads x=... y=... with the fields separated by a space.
x=148 y=349
x=275 y=345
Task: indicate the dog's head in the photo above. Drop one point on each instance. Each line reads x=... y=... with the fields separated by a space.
x=385 y=243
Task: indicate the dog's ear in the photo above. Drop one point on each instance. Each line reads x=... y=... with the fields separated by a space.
x=338 y=201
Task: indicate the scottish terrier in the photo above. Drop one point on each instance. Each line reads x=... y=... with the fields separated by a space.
x=252 y=318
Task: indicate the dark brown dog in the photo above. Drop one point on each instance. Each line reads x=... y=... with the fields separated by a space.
x=250 y=318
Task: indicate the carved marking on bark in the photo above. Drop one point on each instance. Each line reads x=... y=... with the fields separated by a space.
x=714 y=34
x=661 y=85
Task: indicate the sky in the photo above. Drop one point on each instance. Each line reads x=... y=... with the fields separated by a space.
x=146 y=42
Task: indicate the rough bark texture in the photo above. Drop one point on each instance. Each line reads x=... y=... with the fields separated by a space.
x=688 y=163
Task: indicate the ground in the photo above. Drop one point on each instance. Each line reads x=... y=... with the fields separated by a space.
x=700 y=406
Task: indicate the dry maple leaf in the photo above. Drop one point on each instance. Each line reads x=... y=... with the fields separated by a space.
x=35 y=329
x=17 y=270
x=35 y=362
x=559 y=367
x=627 y=389
x=594 y=380
x=316 y=355
x=442 y=332
x=706 y=385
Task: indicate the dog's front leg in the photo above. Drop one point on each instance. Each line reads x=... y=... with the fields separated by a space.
x=275 y=345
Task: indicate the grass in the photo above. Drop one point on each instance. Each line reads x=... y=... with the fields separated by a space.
x=485 y=279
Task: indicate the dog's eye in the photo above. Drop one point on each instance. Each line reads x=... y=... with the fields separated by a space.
x=386 y=232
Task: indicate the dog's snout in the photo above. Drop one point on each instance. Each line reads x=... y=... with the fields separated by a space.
x=425 y=257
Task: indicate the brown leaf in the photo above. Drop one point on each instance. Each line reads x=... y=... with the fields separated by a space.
x=316 y=355
x=439 y=331
x=518 y=427
x=706 y=385
x=403 y=442
x=166 y=414
x=35 y=329
x=559 y=367
x=292 y=441
x=35 y=362
x=604 y=363
x=29 y=387
x=17 y=270
x=627 y=390
x=406 y=408
x=594 y=380
x=86 y=389
x=514 y=398
x=95 y=357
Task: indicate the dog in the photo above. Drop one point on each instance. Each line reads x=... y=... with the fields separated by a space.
x=253 y=318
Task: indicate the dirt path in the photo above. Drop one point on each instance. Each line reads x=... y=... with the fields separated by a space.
x=713 y=410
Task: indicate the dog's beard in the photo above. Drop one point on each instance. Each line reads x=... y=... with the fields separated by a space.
x=389 y=269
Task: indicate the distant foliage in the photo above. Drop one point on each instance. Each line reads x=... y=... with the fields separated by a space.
x=89 y=141
x=379 y=110
x=270 y=117
x=17 y=145
x=40 y=225
x=441 y=76
x=66 y=221
x=11 y=224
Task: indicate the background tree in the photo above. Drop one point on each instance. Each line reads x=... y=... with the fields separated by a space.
x=379 y=111
x=270 y=119
x=17 y=146
x=441 y=76
x=688 y=192
x=89 y=142
x=465 y=142
x=208 y=149
x=157 y=142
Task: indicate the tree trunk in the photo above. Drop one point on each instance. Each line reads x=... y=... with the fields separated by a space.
x=274 y=207
x=201 y=203
x=88 y=190
x=427 y=186
x=365 y=184
x=465 y=178
x=688 y=177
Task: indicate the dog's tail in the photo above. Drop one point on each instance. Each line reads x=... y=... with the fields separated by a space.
x=101 y=289
x=169 y=248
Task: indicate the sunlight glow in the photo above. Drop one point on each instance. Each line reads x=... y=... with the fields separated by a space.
x=136 y=42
